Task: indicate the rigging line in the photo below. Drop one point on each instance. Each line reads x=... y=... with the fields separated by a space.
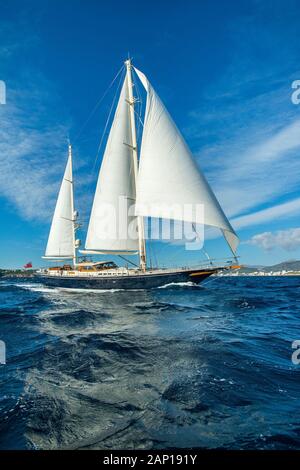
x=139 y=120
x=153 y=241
x=128 y=260
x=97 y=105
x=140 y=103
x=152 y=247
x=202 y=249
x=106 y=124
x=151 y=244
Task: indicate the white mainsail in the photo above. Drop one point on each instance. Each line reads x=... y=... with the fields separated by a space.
x=61 y=241
x=168 y=174
x=111 y=229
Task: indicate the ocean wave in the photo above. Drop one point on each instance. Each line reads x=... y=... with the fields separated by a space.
x=178 y=284
x=121 y=369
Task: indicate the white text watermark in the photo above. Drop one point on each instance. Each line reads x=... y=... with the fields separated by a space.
x=2 y=352
x=2 y=92
x=296 y=353
x=169 y=222
x=296 y=94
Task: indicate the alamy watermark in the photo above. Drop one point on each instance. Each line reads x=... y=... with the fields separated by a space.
x=296 y=94
x=175 y=222
x=2 y=352
x=2 y=92
x=296 y=353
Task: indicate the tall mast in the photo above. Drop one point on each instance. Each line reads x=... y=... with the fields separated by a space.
x=140 y=220
x=73 y=209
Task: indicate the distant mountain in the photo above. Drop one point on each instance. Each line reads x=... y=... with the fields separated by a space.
x=285 y=265
x=292 y=265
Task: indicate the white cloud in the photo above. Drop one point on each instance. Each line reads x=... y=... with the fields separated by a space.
x=249 y=174
x=251 y=154
x=289 y=240
x=32 y=139
x=31 y=155
x=279 y=211
x=246 y=131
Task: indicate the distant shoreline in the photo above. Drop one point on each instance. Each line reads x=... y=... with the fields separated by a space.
x=261 y=274
x=8 y=273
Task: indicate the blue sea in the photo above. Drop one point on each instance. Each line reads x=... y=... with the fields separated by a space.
x=204 y=366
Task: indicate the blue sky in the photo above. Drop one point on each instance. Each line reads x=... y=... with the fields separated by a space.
x=223 y=69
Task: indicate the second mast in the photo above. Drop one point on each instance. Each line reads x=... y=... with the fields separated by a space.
x=140 y=219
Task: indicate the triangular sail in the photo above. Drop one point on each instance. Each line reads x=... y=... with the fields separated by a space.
x=61 y=243
x=110 y=229
x=168 y=174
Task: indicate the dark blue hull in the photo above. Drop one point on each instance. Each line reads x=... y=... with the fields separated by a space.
x=141 y=281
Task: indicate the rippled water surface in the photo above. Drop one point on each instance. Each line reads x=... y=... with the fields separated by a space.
x=182 y=366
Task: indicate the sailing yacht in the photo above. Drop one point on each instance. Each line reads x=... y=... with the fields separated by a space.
x=164 y=174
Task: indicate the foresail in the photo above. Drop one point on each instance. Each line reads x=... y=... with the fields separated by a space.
x=169 y=176
x=112 y=227
x=61 y=237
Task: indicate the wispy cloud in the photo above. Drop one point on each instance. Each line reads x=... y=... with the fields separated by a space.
x=33 y=135
x=289 y=240
x=246 y=132
x=30 y=155
x=279 y=211
x=32 y=139
x=283 y=212
x=33 y=154
x=256 y=166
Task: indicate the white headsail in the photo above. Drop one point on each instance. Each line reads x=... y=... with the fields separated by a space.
x=61 y=241
x=169 y=175
x=110 y=229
